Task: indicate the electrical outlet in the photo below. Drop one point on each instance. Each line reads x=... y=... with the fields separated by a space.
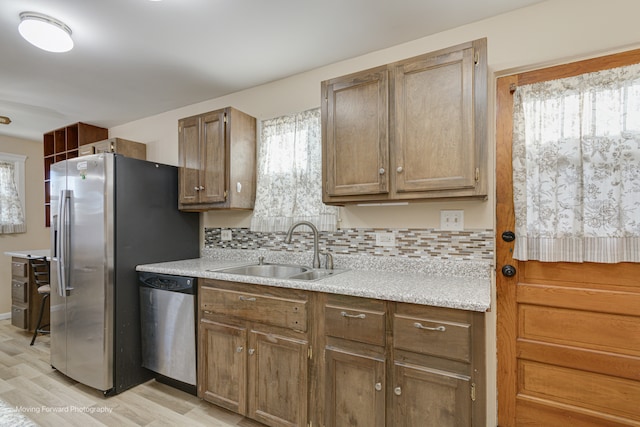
x=225 y=235
x=452 y=220
x=385 y=239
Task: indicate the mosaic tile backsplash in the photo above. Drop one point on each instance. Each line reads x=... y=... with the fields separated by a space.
x=473 y=245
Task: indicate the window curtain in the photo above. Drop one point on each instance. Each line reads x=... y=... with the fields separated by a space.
x=289 y=181
x=576 y=168
x=11 y=215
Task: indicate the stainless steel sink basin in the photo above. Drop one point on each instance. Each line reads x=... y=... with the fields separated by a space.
x=281 y=271
x=276 y=271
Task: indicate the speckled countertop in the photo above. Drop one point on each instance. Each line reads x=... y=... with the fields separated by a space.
x=463 y=285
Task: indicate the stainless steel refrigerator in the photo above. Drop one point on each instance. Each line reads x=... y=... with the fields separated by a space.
x=109 y=213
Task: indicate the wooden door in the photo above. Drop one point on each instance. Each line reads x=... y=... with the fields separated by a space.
x=430 y=397
x=278 y=380
x=189 y=159
x=434 y=139
x=355 y=139
x=213 y=173
x=568 y=333
x=222 y=375
x=355 y=394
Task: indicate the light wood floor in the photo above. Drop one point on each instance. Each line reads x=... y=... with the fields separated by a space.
x=34 y=394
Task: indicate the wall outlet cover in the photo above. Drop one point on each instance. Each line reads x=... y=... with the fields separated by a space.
x=452 y=220
x=385 y=239
x=225 y=235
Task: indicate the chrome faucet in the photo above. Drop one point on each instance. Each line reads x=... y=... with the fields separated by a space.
x=316 y=255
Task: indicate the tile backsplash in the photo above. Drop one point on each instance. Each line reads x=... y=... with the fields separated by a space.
x=474 y=245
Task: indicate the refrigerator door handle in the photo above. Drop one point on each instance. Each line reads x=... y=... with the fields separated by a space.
x=62 y=243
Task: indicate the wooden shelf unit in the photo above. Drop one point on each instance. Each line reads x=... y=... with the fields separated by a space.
x=61 y=144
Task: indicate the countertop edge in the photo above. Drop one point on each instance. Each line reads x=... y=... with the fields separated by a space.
x=464 y=293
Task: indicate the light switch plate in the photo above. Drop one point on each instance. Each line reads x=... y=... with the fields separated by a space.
x=452 y=220
x=385 y=239
x=225 y=235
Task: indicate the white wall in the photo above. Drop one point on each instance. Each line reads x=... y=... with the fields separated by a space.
x=37 y=235
x=552 y=32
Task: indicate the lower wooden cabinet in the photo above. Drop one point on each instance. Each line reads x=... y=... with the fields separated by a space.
x=287 y=357
x=248 y=361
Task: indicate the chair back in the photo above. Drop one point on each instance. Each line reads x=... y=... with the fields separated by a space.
x=40 y=270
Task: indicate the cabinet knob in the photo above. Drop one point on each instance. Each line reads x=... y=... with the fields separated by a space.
x=381 y=171
x=378 y=386
x=397 y=391
x=251 y=351
x=196 y=188
x=239 y=349
x=201 y=187
x=399 y=170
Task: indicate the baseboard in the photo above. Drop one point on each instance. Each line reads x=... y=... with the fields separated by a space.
x=4 y=316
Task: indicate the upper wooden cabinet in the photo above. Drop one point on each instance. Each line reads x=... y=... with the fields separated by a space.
x=217 y=159
x=414 y=129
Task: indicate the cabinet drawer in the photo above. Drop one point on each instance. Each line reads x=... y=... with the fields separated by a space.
x=276 y=311
x=19 y=269
x=19 y=290
x=442 y=338
x=19 y=317
x=355 y=323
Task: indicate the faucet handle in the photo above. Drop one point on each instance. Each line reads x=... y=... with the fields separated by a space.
x=328 y=260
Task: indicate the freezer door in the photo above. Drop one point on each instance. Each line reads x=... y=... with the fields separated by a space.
x=89 y=295
x=58 y=320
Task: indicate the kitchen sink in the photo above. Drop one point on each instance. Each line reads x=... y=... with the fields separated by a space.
x=281 y=271
x=276 y=271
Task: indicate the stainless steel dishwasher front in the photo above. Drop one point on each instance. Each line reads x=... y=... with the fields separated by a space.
x=167 y=316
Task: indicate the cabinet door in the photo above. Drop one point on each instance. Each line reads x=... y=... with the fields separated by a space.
x=355 y=394
x=433 y=119
x=356 y=141
x=213 y=176
x=189 y=159
x=222 y=365
x=429 y=397
x=278 y=380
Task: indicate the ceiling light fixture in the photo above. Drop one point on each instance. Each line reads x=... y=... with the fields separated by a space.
x=45 y=32
x=4 y=120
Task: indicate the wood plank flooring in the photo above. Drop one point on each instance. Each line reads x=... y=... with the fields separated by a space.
x=34 y=394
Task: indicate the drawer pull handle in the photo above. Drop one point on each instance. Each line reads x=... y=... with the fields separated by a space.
x=427 y=328
x=243 y=298
x=352 y=316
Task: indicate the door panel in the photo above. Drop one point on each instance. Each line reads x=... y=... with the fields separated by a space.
x=434 y=108
x=355 y=389
x=89 y=335
x=214 y=151
x=278 y=380
x=568 y=333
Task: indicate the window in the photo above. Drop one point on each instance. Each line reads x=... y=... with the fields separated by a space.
x=289 y=184
x=12 y=194
x=576 y=174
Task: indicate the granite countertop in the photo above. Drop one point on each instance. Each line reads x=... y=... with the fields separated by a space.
x=36 y=253
x=462 y=285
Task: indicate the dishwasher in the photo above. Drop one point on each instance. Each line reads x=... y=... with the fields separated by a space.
x=167 y=316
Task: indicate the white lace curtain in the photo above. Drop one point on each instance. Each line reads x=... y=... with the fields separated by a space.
x=11 y=215
x=576 y=168
x=289 y=182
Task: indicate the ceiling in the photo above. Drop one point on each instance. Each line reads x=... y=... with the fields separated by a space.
x=137 y=58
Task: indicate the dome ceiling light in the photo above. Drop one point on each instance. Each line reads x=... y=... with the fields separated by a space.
x=45 y=32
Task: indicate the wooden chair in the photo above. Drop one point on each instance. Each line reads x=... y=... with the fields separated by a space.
x=40 y=271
